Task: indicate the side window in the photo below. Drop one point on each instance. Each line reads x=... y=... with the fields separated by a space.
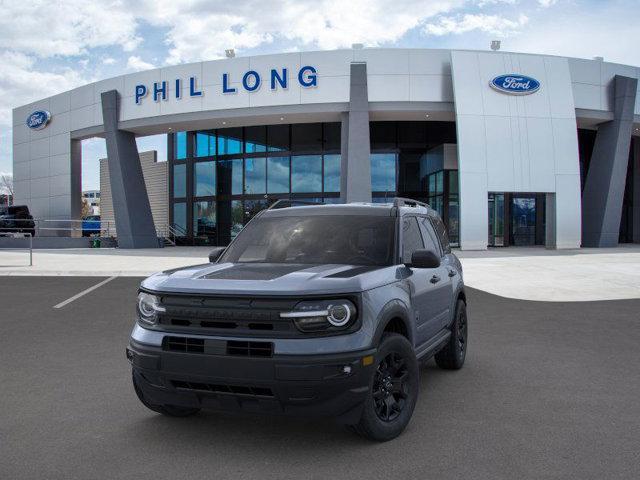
x=411 y=238
x=441 y=231
x=430 y=239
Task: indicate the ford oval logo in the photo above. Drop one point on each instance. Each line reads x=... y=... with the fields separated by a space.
x=515 y=84
x=38 y=119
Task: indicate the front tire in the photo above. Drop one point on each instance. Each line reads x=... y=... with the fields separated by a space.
x=169 y=410
x=393 y=390
x=452 y=356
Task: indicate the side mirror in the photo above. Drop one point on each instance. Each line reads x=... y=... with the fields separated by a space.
x=424 y=259
x=214 y=255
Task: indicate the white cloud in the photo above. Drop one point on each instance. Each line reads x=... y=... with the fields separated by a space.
x=71 y=27
x=108 y=61
x=135 y=63
x=21 y=83
x=491 y=24
x=547 y=3
x=325 y=24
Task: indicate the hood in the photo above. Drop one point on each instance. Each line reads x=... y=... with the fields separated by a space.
x=271 y=279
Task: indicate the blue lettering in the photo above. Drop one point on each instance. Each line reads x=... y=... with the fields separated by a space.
x=192 y=88
x=178 y=91
x=311 y=79
x=157 y=90
x=225 y=84
x=275 y=77
x=141 y=91
x=256 y=81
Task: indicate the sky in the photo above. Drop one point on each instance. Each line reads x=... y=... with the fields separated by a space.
x=48 y=47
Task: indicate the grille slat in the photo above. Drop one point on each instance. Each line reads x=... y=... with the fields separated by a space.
x=184 y=344
x=244 y=390
x=249 y=349
x=218 y=347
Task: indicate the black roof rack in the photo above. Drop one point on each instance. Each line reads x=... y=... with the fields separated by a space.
x=408 y=202
x=284 y=203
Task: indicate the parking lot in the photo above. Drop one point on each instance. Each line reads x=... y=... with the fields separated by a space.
x=550 y=390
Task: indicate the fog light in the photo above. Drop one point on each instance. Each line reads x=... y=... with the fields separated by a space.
x=346 y=369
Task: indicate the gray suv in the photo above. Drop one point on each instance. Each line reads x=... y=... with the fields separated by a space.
x=312 y=310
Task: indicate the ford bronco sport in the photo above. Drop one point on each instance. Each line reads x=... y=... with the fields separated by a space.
x=312 y=310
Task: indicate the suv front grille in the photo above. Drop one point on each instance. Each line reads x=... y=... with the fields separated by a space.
x=228 y=389
x=227 y=316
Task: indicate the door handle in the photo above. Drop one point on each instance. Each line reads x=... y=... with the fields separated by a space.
x=435 y=279
x=452 y=273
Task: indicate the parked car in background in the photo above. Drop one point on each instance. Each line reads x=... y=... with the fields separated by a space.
x=311 y=310
x=91 y=225
x=17 y=219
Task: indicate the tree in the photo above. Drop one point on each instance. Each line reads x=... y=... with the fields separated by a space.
x=6 y=183
x=6 y=187
x=86 y=208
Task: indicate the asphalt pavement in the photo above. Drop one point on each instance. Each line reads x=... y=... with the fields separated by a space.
x=549 y=390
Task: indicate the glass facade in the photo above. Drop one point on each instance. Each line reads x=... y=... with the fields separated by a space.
x=407 y=160
x=221 y=178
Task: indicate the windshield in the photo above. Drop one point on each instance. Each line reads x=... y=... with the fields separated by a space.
x=317 y=239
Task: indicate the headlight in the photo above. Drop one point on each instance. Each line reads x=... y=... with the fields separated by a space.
x=322 y=315
x=148 y=308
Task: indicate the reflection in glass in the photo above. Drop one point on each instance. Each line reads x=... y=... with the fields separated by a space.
x=255 y=139
x=230 y=177
x=237 y=217
x=180 y=217
x=306 y=173
x=204 y=219
x=180 y=180
x=278 y=175
x=332 y=173
x=204 y=179
x=205 y=144
x=229 y=141
x=255 y=175
x=383 y=172
x=180 y=146
x=252 y=207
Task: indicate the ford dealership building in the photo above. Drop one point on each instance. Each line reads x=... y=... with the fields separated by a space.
x=511 y=149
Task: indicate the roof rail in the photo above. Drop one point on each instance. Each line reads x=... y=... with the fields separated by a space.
x=408 y=202
x=285 y=203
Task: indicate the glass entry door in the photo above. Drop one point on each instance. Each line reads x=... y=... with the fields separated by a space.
x=496 y=220
x=523 y=220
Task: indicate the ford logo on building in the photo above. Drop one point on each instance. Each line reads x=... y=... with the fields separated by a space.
x=515 y=84
x=38 y=119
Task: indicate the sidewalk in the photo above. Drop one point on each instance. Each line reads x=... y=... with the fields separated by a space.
x=522 y=273
x=100 y=262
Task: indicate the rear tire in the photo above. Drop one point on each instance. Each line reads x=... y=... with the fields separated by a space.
x=169 y=410
x=393 y=390
x=452 y=356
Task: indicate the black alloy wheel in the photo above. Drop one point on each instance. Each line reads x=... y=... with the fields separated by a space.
x=393 y=390
x=452 y=356
x=390 y=387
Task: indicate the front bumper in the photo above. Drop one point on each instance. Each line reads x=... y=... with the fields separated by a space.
x=333 y=385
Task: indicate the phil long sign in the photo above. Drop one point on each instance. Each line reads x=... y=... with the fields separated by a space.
x=250 y=81
x=515 y=84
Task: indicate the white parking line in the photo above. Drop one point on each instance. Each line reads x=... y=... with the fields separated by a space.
x=84 y=292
